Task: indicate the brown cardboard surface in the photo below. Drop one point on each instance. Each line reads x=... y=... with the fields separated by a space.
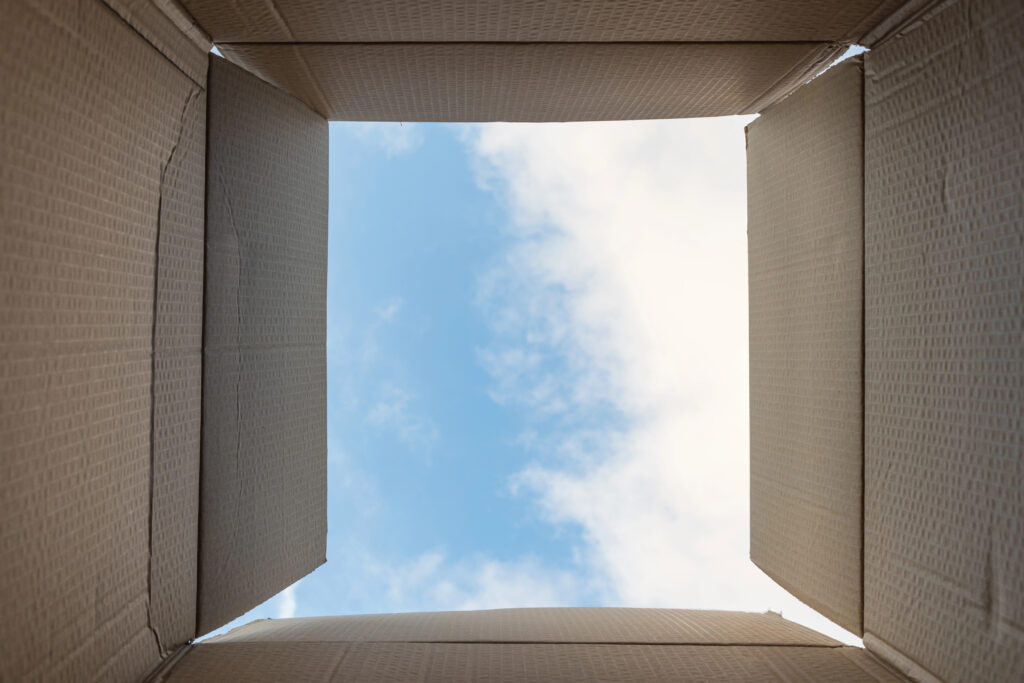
x=539 y=663
x=565 y=644
x=101 y=159
x=387 y=21
x=264 y=490
x=532 y=82
x=177 y=381
x=805 y=237
x=944 y=342
x=541 y=625
x=169 y=29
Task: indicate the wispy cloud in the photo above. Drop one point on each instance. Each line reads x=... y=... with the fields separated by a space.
x=387 y=311
x=623 y=303
x=433 y=581
x=392 y=412
x=393 y=138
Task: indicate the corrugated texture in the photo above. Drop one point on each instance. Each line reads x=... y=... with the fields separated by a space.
x=538 y=663
x=562 y=644
x=531 y=82
x=805 y=238
x=153 y=21
x=944 y=305
x=101 y=142
x=263 y=493
x=340 y=21
x=551 y=625
x=178 y=381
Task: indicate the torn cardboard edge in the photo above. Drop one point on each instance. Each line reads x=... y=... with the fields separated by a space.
x=802 y=73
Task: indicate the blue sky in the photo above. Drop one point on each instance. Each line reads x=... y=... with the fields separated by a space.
x=537 y=388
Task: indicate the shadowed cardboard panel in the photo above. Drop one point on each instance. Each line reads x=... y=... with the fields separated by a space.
x=532 y=82
x=805 y=235
x=561 y=644
x=101 y=158
x=551 y=625
x=550 y=21
x=263 y=495
x=534 y=663
x=177 y=381
x=169 y=29
x=944 y=342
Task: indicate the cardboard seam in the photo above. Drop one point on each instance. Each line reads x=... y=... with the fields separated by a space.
x=880 y=662
x=193 y=94
x=185 y=22
x=324 y=110
x=165 y=668
x=800 y=74
x=898 y=660
x=151 y=44
x=863 y=334
x=202 y=353
x=520 y=43
x=279 y=19
x=904 y=20
x=540 y=642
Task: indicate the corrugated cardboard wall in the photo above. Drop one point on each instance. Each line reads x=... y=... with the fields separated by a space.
x=541 y=625
x=530 y=645
x=525 y=663
x=805 y=235
x=459 y=60
x=264 y=467
x=384 y=21
x=531 y=81
x=102 y=169
x=944 y=342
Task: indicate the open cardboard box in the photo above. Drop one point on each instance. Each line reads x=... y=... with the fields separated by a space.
x=162 y=382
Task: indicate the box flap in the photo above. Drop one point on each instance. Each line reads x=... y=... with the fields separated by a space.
x=101 y=213
x=389 y=21
x=533 y=81
x=805 y=235
x=402 y=60
x=170 y=30
x=263 y=520
x=944 y=342
x=542 y=625
x=525 y=663
x=574 y=644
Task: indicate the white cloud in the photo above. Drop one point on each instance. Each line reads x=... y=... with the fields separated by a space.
x=393 y=138
x=433 y=582
x=387 y=311
x=286 y=603
x=392 y=413
x=624 y=296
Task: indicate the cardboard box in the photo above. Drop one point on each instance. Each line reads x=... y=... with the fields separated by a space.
x=930 y=566
x=530 y=645
x=104 y=222
x=162 y=368
x=805 y=228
